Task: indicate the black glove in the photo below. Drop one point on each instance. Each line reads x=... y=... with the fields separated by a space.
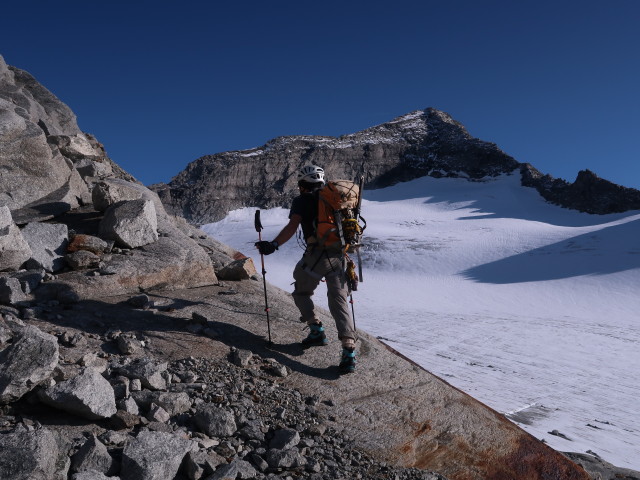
x=266 y=248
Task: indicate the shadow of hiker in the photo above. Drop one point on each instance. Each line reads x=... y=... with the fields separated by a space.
x=172 y=330
x=235 y=336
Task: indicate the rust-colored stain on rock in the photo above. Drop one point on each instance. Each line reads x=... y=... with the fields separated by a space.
x=464 y=456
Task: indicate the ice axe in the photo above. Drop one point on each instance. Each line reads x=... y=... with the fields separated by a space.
x=258 y=226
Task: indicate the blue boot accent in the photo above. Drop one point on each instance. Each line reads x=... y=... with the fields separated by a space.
x=348 y=360
x=316 y=337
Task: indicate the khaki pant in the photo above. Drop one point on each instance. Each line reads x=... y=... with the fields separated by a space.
x=315 y=265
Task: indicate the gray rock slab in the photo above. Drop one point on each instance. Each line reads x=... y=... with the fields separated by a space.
x=31 y=170
x=154 y=456
x=82 y=259
x=130 y=224
x=93 y=169
x=54 y=204
x=284 y=458
x=597 y=468
x=88 y=395
x=174 y=403
x=215 y=421
x=28 y=455
x=92 y=475
x=28 y=361
x=128 y=345
x=200 y=463
x=252 y=430
x=39 y=105
x=111 y=191
x=11 y=290
x=29 y=279
x=149 y=372
x=89 y=243
x=139 y=301
x=14 y=249
x=242 y=269
x=284 y=439
x=5 y=335
x=241 y=357
x=77 y=148
x=236 y=469
x=129 y=405
x=158 y=414
x=48 y=242
x=93 y=456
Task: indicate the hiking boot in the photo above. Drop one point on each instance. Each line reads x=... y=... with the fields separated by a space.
x=316 y=336
x=348 y=360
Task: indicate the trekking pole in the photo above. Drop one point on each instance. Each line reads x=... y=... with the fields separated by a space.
x=358 y=216
x=258 y=226
x=352 y=282
x=353 y=313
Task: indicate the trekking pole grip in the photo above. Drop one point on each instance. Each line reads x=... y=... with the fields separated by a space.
x=256 y=222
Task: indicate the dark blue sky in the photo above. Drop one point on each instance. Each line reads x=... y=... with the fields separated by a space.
x=161 y=83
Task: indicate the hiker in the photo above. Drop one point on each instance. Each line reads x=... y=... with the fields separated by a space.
x=317 y=263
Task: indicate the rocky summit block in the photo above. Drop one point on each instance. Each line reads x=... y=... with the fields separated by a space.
x=14 y=249
x=130 y=224
x=48 y=242
x=28 y=455
x=87 y=395
x=28 y=361
x=154 y=456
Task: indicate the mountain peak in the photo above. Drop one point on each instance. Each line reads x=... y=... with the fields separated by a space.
x=422 y=142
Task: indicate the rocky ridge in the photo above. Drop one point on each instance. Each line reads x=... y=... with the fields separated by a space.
x=420 y=143
x=132 y=346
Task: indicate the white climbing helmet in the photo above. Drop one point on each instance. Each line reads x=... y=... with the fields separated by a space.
x=311 y=174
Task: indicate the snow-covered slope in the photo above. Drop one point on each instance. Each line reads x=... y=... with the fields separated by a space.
x=531 y=308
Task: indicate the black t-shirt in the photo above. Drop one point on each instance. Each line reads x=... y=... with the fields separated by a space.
x=306 y=205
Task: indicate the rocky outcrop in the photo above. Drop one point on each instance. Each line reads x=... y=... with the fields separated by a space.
x=421 y=143
x=47 y=161
x=588 y=193
x=61 y=194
